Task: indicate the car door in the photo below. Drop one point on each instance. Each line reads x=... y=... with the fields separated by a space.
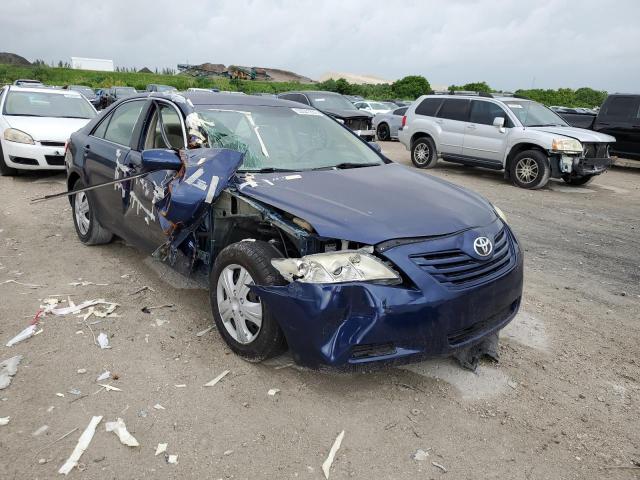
x=395 y=120
x=162 y=127
x=482 y=140
x=620 y=117
x=105 y=157
x=452 y=118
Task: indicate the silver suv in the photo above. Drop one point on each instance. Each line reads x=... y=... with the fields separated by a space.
x=524 y=138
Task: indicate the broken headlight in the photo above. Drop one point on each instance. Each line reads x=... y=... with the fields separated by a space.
x=566 y=145
x=335 y=267
x=18 y=136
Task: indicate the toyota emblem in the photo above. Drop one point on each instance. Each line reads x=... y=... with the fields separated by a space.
x=482 y=246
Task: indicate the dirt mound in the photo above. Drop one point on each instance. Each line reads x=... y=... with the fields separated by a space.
x=279 y=75
x=13 y=59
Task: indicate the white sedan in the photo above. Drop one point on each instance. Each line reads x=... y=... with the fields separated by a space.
x=35 y=124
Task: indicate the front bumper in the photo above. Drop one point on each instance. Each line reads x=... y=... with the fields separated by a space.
x=33 y=157
x=591 y=166
x=357 y=322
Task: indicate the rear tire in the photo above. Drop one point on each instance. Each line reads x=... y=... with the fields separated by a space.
x=6 y=170
x=530 y=169
x=236 y=310
x=383 y=132
x=89 y=230
x=423 y=153
x=577 y=181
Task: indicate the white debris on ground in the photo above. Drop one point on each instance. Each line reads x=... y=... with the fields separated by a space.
x=173 y=459
x=204 y=332
x=103 y=340
x=326 y=466
x=120 y=429
x=420 y=455
x=4 y=421
x=28 y=332
x=8 y=368
x=83 y=444
x=40 y=430
x=109 y=388
x=217 y=379
x=441 y=467
x=273 y=392
x=157 y=406
x=103 y=376
x=161 y=448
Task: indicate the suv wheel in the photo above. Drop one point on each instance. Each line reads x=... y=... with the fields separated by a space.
x=530 y=169
x=383 y=132
x=423 y=153
x=89 y=230
x=577 y=181
x=243 y=321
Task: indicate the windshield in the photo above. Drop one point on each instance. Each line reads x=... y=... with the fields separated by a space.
x=124 y=91
x=533 y=114
x=335 y=102
x=86 y=91
x=165 y=88
x=283 y=138
x=44 y=104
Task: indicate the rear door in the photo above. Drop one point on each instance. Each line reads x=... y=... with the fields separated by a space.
x=452 y=118
x=482 y=140
x=395 y=120
x=105 y=158
x=620 y=116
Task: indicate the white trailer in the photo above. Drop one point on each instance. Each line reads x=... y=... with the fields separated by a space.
x=82 y=63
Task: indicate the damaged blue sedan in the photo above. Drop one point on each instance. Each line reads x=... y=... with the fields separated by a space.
x=307 y=237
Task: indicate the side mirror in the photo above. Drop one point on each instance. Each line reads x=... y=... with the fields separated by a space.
x=375 y=146
x=160 y=159
x=498 y=122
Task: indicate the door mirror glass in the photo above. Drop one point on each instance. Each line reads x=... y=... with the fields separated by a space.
x=160 y=159
x=498 y=122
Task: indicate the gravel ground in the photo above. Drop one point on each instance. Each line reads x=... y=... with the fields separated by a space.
x=563 y=402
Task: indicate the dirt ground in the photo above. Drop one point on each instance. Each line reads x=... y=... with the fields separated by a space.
x=563 y=403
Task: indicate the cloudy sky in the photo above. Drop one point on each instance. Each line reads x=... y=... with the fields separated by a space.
x=508 y=43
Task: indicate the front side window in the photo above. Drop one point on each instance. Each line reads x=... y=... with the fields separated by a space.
x=283 y=138
x=165 y=129
x=485 y=112
x=533 y=114
x=122 y=123
x=46 y=104
x=455 y=109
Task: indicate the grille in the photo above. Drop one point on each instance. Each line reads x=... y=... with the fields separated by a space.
x=48 y=143
x=377 y=350
x=475 y=329
x=457 y=269
x=595 y=150
x=54 y=159
x=357 y=123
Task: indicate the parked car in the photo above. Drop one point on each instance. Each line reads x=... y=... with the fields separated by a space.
x=372 y=106
x=354 y=98
x=86 y=92
x=154 y=87
x=524 y=138
x=619 y=116
x=35 y=124
x=291 y=227
x=114 y=94
x=338 y=107
x=25 y=82
x=388 y=124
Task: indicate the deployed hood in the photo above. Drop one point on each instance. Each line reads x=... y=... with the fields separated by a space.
x=580 y=134
x=372 y=204
x=45 y=128
x=346 y=113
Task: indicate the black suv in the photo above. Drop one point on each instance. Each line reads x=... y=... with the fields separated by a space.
x=620 y=116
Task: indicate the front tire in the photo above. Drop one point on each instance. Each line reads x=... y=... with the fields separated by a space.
x=423 y=153
x=244 y=322
x=577 y=181
x=530 y=169
x=89 y=230
x=383 y=132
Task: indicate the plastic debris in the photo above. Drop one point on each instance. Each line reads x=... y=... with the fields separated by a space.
x=103 y=340
x=75 y=391
x=441 y=467
x=161 y=448
x=273 y=392
x=157 y=406
x=326 y=466
x=30 y=285
x=4 y=421
x=103 y=376
x=420 y=455
x=120 y=429
x=60 y=395
x=73 y=308
x=50 y=409
x=180 y=385
x=226 y=453
x=109 y=388
x=8 y=369
x=173 y=459
x=217 y=379
x=83 y=444
x=28 y=332
x=82 y=370
x=41 y=430
x=204 y=332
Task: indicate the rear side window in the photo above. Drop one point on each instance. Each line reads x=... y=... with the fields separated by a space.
x=122 y=123
x=484 y=112
x=400 y=111
x=622 y=108
x=455 y=109
x=99 y=132
x=429 y=107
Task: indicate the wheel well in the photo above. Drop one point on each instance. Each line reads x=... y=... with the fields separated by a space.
x=418 y=135
x=515 y=150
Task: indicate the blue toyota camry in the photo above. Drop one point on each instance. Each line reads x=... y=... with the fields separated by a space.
x=307 y=236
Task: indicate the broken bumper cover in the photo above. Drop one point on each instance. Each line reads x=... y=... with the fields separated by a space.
x=358 y=322
x=591 y=166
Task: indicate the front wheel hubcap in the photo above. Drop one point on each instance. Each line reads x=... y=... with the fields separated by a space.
x=527 y=170
x=239 y=308
x=81 y=210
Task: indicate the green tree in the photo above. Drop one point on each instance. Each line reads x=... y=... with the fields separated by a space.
x=343 y=87
x=410 y=87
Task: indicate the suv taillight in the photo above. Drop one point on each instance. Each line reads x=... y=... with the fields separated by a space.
x=404 y=121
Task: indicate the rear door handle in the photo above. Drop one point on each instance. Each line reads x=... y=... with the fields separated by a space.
x=471 y=127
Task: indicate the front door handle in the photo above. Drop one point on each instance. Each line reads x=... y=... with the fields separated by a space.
x=471 y=127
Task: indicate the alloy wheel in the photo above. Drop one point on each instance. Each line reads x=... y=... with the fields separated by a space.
x=240 y=309
x=526 y=170
x=81 y=211
x=421 y=153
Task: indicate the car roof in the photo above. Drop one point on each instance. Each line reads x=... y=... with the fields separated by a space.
x=315 y=92
x=17 y=88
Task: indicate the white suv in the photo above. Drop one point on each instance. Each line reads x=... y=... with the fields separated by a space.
x=524 y=138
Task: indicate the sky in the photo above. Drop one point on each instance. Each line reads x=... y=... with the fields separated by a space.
x=510 y=44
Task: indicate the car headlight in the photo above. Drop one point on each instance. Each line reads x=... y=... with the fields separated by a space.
x=500 y=214
x=18 y=136
x=566 y=145
x=335 y=267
